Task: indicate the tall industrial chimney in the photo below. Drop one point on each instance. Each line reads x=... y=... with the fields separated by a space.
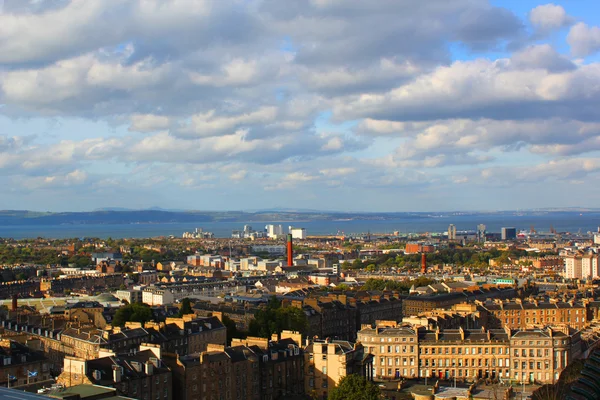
x=290 y=251
x=423 y=263
x=14 y=302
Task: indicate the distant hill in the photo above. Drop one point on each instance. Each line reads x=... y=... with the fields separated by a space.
x=124 y=216
x=12 y=217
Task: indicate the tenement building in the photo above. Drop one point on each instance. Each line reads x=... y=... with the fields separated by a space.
x=395 y=349
x=464 y=354
x=518 y=314
x=326 y=362
x=416 y=304
x=541 y=355
x=253 y=368
x=533 y=355
x=141 y=375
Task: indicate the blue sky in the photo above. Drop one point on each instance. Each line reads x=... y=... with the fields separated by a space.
x=324 y=104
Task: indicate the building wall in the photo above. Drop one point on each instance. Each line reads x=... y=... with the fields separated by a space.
x=573 y=315
x=396 y=351
x=531 y=355
x=465 y=360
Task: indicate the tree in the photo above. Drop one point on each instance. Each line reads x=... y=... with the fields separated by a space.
x=232 y=330
x=21 y=276
x=186 y=308
x=355 y=387
x=134 y=312
x=357 y=264
x=274 y=318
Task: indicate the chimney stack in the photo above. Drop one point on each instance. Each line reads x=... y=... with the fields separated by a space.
x=423 y=263
x=14 y=302
x=290 y=251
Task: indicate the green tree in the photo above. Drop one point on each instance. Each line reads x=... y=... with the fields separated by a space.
x=186 y=308
x=355 y=387
x=21 y=276
x=274 y=318
x=232 y=330
x=135 y=312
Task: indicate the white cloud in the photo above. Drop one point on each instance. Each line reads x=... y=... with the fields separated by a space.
x=583 y=39
x=301 y=96
x=559 y=170
x=209 y=124
x=548 y=17
x=239 y=175
x=542 y=56
x=481 y=88
x=73 y=178
x=149 y=122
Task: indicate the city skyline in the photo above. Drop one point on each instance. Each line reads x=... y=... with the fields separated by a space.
x=320 y=104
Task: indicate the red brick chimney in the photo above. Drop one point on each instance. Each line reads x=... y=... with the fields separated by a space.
x=290 y=251
x=423 y=263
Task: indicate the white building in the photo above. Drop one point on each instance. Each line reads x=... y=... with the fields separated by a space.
x=581 y=266
x=169 y=293
x=451 y=232
x=298 y=233
x=157 y=296
x=131 y=296
x=274 y=231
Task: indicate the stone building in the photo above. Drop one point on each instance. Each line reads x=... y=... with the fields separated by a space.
x=326 y=362
x=394 y=347
x=83 y=311
x=88 y=282
x=532 y=355
x=141 y=375
x=18 y=361
x=465 y=354
x=541 y=355
x=418 y=304
x=20 y=288
x=518 y=314
x=87 y=342
x=188 y=334
x=252 y=368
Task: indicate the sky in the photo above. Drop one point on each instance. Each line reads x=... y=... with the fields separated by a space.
x=349 y=105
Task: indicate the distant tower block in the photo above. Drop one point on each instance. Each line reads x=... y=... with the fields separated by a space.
x=423 y=263
x=290 y=251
